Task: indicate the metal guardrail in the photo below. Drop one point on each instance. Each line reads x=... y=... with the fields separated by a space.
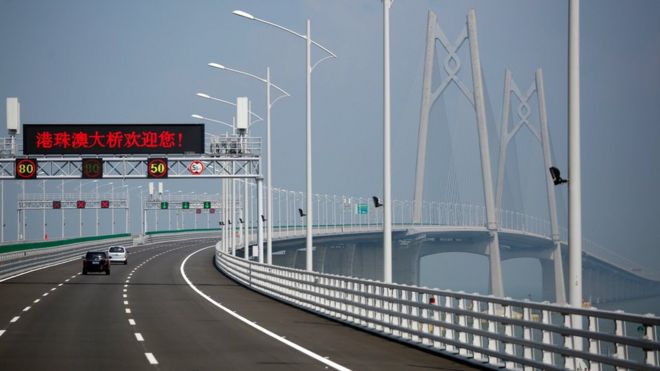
x=495 y=332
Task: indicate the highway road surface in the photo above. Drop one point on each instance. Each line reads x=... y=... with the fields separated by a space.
x=169 y=308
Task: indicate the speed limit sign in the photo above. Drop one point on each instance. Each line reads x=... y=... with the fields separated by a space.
x=196 y=167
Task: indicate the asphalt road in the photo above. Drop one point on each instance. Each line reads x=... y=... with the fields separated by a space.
x=145 y=316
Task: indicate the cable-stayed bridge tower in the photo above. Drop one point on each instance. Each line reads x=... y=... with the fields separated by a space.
x=452 y=65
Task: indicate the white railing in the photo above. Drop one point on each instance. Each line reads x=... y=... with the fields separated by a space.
x=497 y=332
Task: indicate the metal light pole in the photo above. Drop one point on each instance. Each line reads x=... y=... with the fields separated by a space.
x=387 y=177
x=308 y=70
x=43 y=185
x=80 y=210
x=269 y=179
x=2 y=211
x=98 y=196
x=574 y=172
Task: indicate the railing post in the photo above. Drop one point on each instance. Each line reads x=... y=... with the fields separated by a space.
x=546 y=339
x=527 y=335
x=594 y=344
x=651 y=356
x=449 y=318
x=477 y=340
x=620 y=330
x=569 y=362
x=508 y=331
x=462 y=321
x=492 y=328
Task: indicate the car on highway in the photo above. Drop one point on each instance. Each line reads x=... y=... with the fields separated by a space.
x=96 y=261
x=118 y=254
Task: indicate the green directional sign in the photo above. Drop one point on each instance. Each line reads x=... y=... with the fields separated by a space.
x=185 y=205
x=164 y=205
x=207 y=204
x=362 y=209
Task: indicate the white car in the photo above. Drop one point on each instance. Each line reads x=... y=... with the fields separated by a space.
x=118 y=254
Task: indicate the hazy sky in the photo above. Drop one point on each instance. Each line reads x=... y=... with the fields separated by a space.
x=121 y=61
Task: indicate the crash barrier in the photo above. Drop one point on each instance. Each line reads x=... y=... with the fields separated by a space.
x=495 y=332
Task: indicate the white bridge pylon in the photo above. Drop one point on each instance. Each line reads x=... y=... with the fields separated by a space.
x=452 y=66
x=542 y=135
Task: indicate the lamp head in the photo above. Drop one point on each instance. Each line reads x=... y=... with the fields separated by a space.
x=203 y=95
x=243 y=14
x=216 y=65
x=195 y=116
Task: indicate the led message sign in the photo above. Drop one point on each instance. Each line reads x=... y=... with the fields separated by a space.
x=74 y=139
x=105 y=204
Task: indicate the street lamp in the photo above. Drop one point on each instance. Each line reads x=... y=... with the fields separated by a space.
x=200 y=117
x=309 y=68
x=269 y=185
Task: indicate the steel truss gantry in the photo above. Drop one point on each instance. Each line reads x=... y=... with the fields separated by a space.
x=135 y=167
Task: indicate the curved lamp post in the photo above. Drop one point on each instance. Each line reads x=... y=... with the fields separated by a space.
x=309 y=68
x=269 y=185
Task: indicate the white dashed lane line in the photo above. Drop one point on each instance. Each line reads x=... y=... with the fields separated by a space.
x=138 y=336
x=2 y=332
x=131 y=321
x=150 y=357
x=13 y=320
x=26 y=308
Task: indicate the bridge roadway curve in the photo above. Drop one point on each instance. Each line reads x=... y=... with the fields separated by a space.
x=145 y=316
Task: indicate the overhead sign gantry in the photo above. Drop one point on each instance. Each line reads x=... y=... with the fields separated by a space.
x=129 y=151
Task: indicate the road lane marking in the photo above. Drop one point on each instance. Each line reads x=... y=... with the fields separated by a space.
x=53 y=289
x=45 y=294
x=128 y=310
x=265 y=331
x=60 y=285
x=14 y=319
x=125 y=296
x=2 y=332
x=67 y=280
x=36 y=301
x=124 y=290
x=131 y=321
x=26 y=308
x=125 y=302
x=40 y=268
x=150 y=357
x=138 y=336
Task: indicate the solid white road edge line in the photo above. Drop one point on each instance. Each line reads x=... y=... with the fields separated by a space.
x=279 y=338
